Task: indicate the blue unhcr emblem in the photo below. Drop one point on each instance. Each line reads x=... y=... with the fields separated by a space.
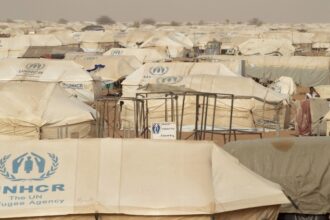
x=159 y=70
x=156 y=128
x=26 y=164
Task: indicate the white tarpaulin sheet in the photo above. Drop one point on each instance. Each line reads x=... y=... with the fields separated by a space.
x=132 y=177
x=266 y=47
x=173 y=73
x=144 y=55
x=28 y=109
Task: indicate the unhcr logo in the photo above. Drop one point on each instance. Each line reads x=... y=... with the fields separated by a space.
x=156 y=128
x=28 y=166
x=116 y=52
x=169 y=80
x=158 y=71
x=35 y=66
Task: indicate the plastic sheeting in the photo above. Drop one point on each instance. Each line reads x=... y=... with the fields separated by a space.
x=305 y=71
x=299 y=165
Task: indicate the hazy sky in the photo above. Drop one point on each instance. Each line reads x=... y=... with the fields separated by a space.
x=167 y=10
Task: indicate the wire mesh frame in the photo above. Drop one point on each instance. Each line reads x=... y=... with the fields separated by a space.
x=201 y=112
x=201 y=130
x=170 y=102
x=108 y=113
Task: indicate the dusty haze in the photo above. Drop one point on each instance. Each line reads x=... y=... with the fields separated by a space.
x=292 y=11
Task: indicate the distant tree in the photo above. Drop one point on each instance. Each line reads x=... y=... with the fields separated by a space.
x=39 y=21
x=9 y=20
x=93 y=28
x=227 y=21
x=302 y=30
x=136 y=24
x=105 y=20
x=255 y=21
x=149 y=21
x=201 y=22
x=189 y=24
x=239 y=22
x=175 y=23
x=62 y=21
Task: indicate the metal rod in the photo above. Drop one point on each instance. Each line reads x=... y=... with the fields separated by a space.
x=182 y=114
x=214 y=114
x=147 y=118
x=206 y=112
x=200 y=131
x=144 y=112
x=177 y=116
x=196 y=117
x=114 y=119
x=136 y=118
x=166 y=113
x=231 y=117
x=172 y=108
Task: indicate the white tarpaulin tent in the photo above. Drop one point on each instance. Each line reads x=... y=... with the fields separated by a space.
x=133 y=38
x=70 y=75
x=174 y=43
x=18 y=45
x=113 y=67
x=323 y=91
x=254 y=106
x=267 y=47
x=293 y=36
x=42 y=110
x=4 y=47
x=151 y=72
x=131 y=179
x=326 y=119
x=170 y=74
x=284 y=85
x=144 y=55
x=91 y=41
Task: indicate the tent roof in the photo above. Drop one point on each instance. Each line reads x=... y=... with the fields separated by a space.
x=131 y=38
x=145 y=177
x=173 y=39
x=238 y=86
x=35 y=40
x=35 y=104
x=97 y=37
x=266 y=46
x=116 y=67
x=42 y=70
x=144 y=55
x=153 y=72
